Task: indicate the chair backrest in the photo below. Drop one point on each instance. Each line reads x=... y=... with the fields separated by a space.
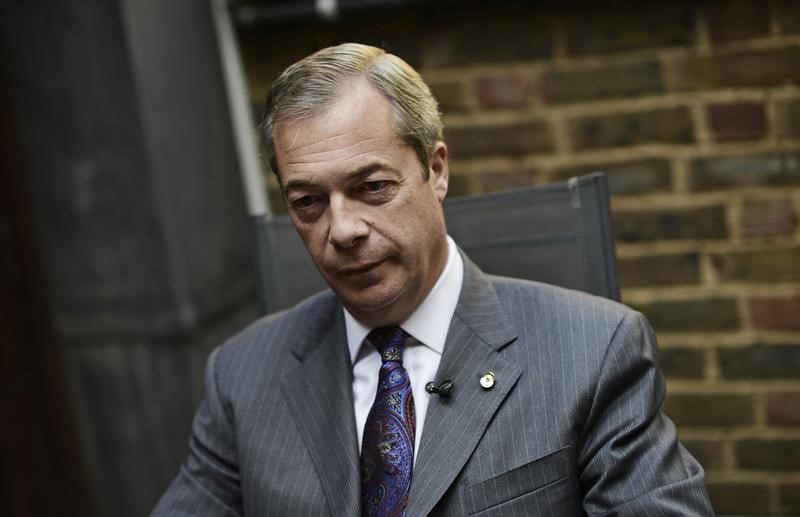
x=559 y=234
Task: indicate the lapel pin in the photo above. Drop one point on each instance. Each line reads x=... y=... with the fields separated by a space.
x=487 y=380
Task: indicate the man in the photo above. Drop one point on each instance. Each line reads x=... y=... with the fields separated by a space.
x=553 y=407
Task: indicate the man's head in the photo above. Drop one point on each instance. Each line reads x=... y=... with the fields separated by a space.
x=366 y=205
x=308 y=86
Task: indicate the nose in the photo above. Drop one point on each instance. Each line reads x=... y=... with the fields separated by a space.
x=347 y=225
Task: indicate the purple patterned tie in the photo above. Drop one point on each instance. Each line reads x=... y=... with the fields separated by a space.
x=387 y=450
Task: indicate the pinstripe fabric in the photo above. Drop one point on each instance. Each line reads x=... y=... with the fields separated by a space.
x=276 y=432
x=572 y=425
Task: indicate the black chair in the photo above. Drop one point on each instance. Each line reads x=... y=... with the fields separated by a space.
x=559 y=233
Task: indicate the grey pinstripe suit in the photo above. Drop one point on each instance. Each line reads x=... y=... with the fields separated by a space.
x=571 y=426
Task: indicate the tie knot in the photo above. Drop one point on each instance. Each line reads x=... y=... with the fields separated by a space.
x=388 y=341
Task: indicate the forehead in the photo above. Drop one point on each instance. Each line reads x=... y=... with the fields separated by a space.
x=357 y=126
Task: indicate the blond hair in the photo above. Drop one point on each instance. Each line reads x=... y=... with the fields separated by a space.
x=310 y=85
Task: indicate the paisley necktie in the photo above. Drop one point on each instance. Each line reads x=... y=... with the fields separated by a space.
x=387 y=449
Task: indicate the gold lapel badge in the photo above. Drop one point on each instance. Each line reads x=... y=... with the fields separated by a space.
x=487 y=380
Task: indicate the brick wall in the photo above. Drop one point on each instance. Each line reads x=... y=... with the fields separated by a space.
x=693 y=110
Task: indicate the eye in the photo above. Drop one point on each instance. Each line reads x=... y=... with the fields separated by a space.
x=303 y=202
x=374 y=186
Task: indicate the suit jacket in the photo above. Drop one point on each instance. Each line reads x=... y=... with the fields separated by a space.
x=572 y=424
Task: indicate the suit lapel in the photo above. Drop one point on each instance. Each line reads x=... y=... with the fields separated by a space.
x=453 y=426
x=319 y=394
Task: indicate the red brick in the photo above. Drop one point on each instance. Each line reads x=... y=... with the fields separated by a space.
x=737 y=121
x=725 y=172
x=775 y=312
x=626 y=178
x=733 y=20
x=666 y=126
x=768 y=265
x=503 y=91
x=284 y=43
x=789 y=498
x=789 y=20
x=709 y=453
x=652 y=270
x=768 y=218
x=451 y=95
x=760 y=362
x=481 y=35
x=682 y=363
x=783 y=408
x=460 y=185
x=652 y=225
x=494 y=181
x=624 y=29
x=501 y=139
x=772 y=67
x=739 y=498
x=788 y=119
x=620 y=81
x=710 y=409
x=768 y=454
x=709 y=315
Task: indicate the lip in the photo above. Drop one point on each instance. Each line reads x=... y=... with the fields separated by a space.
x=359 y=269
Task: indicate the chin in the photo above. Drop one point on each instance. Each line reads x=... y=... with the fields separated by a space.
x=373 y=308
x=372 y=305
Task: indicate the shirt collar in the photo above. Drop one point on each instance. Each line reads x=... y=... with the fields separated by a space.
x=430 y=322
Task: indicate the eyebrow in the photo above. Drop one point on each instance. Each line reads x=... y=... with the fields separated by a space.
x=364 y=170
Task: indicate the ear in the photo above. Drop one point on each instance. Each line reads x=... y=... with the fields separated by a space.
x=438 y=170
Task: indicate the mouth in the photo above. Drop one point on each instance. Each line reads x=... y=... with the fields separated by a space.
x=358 y=269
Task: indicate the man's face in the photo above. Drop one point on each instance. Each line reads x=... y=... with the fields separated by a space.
x=359 y=199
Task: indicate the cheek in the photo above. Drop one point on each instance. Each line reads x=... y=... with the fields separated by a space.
x=313 y=236
x=409 y=234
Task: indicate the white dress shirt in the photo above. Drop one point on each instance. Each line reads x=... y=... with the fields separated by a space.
x=428 y=326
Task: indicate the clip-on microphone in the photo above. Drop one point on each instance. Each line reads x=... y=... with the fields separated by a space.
x=443 y=389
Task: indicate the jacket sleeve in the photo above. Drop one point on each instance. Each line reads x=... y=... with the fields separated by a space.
x=630 y=460
x=208 y=481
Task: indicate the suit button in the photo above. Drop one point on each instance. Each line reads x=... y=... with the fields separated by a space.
x=487 y=380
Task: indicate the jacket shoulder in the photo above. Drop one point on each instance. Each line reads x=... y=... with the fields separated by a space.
x=549 y=297
x=555 y=313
